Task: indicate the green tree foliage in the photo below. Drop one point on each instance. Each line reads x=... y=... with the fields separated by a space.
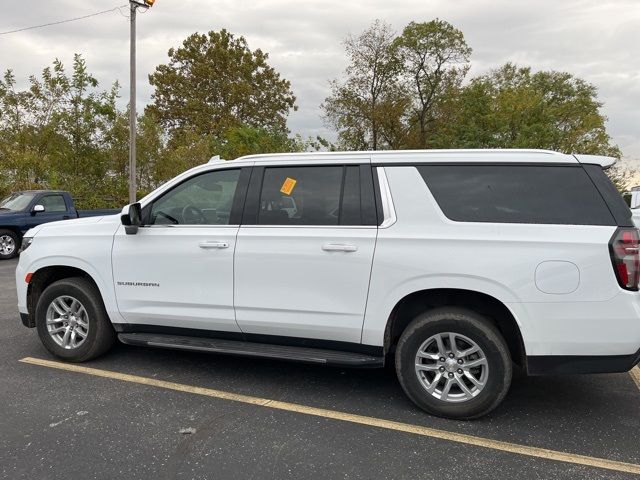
x=214 y=97
x=394 y=86
x=214 y=83
x=366 y=107
x=410 y=91
x=246 y=140
x=512 y=107
x=59 y=133
x=159 y=161
x=435 y=60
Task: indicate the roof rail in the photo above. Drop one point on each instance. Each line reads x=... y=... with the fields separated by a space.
x=266 y=156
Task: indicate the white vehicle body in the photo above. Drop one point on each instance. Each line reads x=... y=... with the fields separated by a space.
x=344 y=283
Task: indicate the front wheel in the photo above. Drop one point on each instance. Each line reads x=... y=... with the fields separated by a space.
x=72 y=322
x=453 y=363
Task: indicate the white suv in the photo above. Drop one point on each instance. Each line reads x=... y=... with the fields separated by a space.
x=452 y=265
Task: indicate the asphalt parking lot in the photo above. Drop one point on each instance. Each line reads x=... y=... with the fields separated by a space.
x=127 y=414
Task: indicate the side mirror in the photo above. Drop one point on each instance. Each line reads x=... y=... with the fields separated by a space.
x=37 y=209
x=131 y=218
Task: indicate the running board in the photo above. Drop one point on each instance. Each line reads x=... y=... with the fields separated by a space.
x=250 y=349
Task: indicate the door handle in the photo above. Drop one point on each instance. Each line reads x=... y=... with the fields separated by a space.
x=339 y=247
x=213 y=244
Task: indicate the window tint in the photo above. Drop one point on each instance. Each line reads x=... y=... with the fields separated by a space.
x=53 y=203
x=202 y=200
x=615 y=202
x=516 y=194
x=301 y=196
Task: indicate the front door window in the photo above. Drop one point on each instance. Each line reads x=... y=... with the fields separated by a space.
x=202 y=200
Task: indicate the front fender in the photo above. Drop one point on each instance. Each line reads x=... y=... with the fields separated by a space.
x=84 y=245
x=102 y=280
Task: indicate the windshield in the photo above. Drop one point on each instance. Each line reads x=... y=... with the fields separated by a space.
x=16 y=201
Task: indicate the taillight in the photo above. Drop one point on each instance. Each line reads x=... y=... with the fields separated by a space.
x=624 y=247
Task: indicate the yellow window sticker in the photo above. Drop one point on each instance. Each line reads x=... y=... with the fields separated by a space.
x=288 y=185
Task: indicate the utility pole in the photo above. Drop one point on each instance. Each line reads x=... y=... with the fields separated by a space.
x=133 y=189
x=132 y=106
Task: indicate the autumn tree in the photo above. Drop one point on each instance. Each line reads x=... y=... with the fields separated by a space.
x=513 y=107
x=366 y=107
x=435 y=59
x=214 y=97
x=213 y=83
x=246 y=140
x=411 y=91
x=57 y=133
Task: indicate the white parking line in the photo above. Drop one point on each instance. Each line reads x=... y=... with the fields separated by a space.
x=349 y=417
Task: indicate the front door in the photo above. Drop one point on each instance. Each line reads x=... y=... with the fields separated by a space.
x=55 y=209
x=304 y=252
x=177 y=271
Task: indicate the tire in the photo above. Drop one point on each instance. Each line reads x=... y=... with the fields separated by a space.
x=468 y=328
x=9 y=244
x=99 y=335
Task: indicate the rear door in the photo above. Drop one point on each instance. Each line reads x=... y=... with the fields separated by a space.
x=304 y=251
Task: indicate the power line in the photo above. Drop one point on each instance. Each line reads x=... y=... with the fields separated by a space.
x=64 y=21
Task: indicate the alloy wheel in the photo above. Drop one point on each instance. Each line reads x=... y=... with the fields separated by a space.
x=67 y=322
x=7 y=245
x=451 y=367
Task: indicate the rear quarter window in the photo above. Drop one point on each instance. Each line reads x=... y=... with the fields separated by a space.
x=539 y=194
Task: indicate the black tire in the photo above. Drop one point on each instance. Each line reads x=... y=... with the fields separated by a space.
x=101 y=335
x=477 y=328
x=16 y=241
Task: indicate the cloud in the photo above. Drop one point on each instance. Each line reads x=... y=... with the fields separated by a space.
x=592 y=39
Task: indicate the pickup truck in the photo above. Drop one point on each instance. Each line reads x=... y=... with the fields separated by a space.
x=21 y=211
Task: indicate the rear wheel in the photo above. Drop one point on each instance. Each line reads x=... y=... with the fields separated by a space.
x=453 y=363
x=9 y=244
x=72 y=322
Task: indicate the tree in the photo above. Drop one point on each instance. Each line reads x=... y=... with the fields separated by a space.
x=435 y=60
x=65 y=131
x=621 y=177
x=395 y=87
x=366 y=107
x=57 y=133
x=512 y=107
x=214 y=82
x=240 y=141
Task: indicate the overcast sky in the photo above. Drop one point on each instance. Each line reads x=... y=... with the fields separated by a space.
x=597 y=40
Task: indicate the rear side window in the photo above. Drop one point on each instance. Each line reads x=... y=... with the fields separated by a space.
x=323 y=195
x=517 y=194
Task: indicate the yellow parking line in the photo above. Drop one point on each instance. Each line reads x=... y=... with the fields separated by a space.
x=635 y=374
x=349 y=417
